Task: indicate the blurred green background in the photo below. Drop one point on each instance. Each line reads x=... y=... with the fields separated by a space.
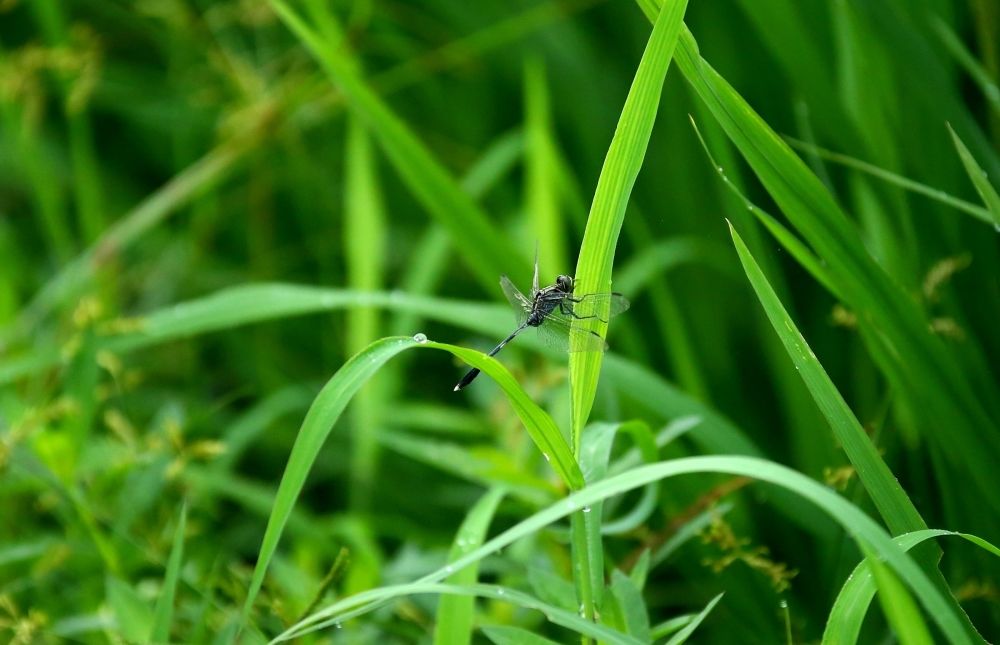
x=158 y=152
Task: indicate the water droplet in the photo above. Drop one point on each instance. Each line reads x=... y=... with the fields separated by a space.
x=784 y=604
x=420 y=338
x=750 y=207
x=449 y=569
x=338 y=626
x=546 y=455
x=570 y=504
x=499 y=591
x=719 y=168
x=586 y=509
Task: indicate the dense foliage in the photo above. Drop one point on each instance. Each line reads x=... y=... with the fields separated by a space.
x=225 y=225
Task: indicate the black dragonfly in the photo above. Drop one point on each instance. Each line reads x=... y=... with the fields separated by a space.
x=552 y=310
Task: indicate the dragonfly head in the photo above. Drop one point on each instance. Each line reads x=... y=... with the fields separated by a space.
x=565 y=283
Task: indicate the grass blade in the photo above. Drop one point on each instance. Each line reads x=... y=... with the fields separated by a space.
x=979 y=179
x=341 y=388
x=851 y=605
x=858 y=525
x=687 y=630
x=889 y=497
x=455 y=613
x=614 y=186
x=164 y=610
x=556 y=615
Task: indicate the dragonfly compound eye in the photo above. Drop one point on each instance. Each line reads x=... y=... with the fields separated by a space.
x=565 y=283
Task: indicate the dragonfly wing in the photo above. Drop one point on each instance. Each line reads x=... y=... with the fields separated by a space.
x=516 y=299
x=558 y=332
x=597 y=305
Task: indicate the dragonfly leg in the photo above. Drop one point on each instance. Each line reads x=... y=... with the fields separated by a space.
x=569 y=312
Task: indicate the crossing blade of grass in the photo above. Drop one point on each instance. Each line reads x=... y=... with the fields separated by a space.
x=341 y=388
x=614 y=186
x=979 y=179
x=863 y=529
x=851 y=605
x=905 y=183
x=164 y=610
x=485 y=250
x=890 y=499
x=556 y=615
x=685 y=633
x=455 y=613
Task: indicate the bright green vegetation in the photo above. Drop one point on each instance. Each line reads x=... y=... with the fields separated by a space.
x=228 y=230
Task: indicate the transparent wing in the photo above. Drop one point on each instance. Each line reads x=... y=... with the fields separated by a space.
x=516 y=299
x=603 y=306
x=559 y=333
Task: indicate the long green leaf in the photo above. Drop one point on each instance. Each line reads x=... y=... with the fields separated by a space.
x=890 y=313
x=889 y=497
x=341 y=388
x=614 y=186
x=855 y=522
x=556 y=615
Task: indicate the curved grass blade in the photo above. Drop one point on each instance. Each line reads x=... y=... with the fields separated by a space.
x=864 y=530
x=614 y=186
x=324 y=412
x=334 y=397
x=851 y=606
x=537 y=422
x=556 y=615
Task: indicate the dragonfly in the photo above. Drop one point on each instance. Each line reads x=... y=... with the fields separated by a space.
x=555 y=311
